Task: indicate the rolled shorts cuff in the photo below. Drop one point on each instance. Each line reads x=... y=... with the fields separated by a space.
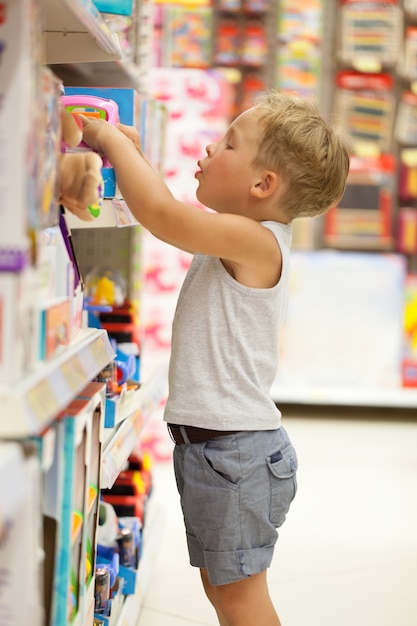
x=229 y=567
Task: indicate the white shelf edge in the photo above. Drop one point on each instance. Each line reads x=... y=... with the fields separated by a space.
x=114 y=213
x=31 y=404
x=80 y=16
x=81 y=49
x=401 y=398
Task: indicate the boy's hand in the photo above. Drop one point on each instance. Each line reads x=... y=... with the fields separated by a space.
x=92 y=127
x=132 y=134
x=94 y=130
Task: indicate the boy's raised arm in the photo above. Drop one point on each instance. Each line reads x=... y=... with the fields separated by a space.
x=233 y=237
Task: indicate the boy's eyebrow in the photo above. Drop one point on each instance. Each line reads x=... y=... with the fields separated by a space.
x=231 y=132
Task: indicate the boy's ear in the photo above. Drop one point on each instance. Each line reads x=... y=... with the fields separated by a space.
x=266 y=185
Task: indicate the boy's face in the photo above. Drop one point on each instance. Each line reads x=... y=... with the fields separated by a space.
x=226 y=174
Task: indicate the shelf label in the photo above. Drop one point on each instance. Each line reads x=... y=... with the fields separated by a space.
x=73 y=373
x=42 y=401
x=99 y=353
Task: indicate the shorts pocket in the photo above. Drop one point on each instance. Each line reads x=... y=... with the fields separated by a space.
x=282 y=466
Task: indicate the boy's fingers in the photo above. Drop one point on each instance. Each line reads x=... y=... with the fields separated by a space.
x=83 y=118
x=129 y=131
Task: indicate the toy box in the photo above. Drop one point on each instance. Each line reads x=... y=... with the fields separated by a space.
x=128 y=101
x=76 y=550
x=19 y=325
x=55 y=328
x=409 y=363
x=98 y=107
x=26 y=107
x=20 y=532
x=130 y=112
x=363 y=217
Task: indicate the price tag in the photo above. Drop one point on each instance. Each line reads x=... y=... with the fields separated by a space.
x=73 y=373
x=42 y=401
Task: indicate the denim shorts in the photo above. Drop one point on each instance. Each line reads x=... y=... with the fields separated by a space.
x=235 y=491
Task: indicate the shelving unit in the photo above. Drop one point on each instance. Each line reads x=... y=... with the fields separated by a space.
x=53 y=437
x=345 y=396
x=114 y=213
x=82 y=49
x=35 y=401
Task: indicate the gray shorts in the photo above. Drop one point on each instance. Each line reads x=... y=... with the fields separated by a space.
x=235 y=492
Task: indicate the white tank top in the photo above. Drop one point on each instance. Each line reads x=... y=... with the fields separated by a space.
x=225 y=339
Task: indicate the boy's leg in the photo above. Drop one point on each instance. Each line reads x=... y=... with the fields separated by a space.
x=211 y=595
x=243 y=603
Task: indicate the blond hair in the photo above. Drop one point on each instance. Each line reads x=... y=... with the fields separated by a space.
x=310 y=155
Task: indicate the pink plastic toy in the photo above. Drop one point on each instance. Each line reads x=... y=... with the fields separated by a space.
x=93 y=106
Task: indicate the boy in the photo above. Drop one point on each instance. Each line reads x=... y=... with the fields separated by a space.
x=234 y=464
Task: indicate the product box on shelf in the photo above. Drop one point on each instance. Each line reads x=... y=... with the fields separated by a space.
x=49 y=446
x=55 y=328
x=19 y=325
x=102 y=108
x=363 y=217
x=76 y=549
x=409 y=363
x=25 y=95
x=129 y=112
x=59 y=294
x=20 y=537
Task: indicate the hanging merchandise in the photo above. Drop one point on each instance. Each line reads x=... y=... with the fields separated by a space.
x=299 y=38
x=228 y=42
x=187 y=35
x=255 y=6
x=410 y=8
x=407 y=184
x=406 y=123
x=370 y=34
x=366 y=104
x=254 y=44
x=363 y=218
x=407 y=230
x=407 y=67
x=252 y=85
x=230 y=5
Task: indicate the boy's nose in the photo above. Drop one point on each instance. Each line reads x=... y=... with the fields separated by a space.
x=210 y=149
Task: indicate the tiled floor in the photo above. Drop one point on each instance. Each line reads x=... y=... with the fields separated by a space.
x=347 y=554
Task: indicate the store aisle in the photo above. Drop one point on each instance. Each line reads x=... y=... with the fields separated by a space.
x=347 y=554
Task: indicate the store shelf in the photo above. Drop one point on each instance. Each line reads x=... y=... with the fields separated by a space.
x=124 y=437
x=82 y=49
x=402 y=398
x=33 y=403
x=113 y=213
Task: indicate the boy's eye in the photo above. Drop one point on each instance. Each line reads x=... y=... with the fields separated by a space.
x=228 y=146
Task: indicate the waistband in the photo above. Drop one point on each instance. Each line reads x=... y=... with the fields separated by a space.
x=192 y=434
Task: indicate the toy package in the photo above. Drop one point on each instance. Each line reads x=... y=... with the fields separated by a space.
x=370 y=33
x=228 y=42
x=102 y=108
x=254 y=44
x=299 y=36
x=363 y=217
x=407 y=230
x=406 y=123
x=187 y=35
x=409 y=365
x=407 y=67
x=366 y=104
